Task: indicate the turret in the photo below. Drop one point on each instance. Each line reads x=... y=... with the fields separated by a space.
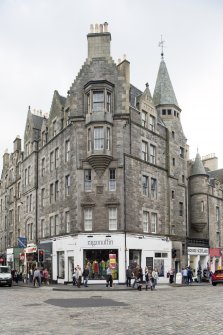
x=198 y=191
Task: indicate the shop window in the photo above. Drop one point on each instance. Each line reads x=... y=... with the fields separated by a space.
x=60 y=264
x=159 y=266
x=134 y=258
x=98 y=260
x=112 y=179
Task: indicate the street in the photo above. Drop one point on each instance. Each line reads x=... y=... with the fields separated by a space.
x=167 y=310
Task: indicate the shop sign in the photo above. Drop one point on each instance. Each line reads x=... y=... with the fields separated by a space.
x=30 y=250
x=105 y=242
x=197 y=251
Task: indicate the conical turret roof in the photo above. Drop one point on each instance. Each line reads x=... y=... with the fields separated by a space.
x=198 y=167
x=163 y=92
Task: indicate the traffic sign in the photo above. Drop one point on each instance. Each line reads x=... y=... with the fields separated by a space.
x=22 y=242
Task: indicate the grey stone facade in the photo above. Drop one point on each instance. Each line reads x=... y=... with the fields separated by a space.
x=107 y=132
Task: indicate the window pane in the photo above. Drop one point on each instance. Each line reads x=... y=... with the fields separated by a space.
x=112 y=180
x=98 y=138
x=98 y=101
x=88 y=219
x=113 y=218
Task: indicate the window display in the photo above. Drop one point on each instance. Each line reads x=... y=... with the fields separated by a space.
x=97 y=262
x=60 y=264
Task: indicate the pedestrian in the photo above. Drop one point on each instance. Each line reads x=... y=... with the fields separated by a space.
x=109 y=280
x=36 y=277
x=148 y=279
x=155 y=276
x=75 y=277
x=135 y=275
x=86 y=276
x=46 y=276
x=189 y=275
x=171 y=276
x=184 y=276
x=16 y=277
x=31 y=275
x=79 y=276
x=128 y=277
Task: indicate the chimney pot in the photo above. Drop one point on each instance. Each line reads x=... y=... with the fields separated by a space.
x=105 y=27
x=91 y=28
x=101 y=28
x=96 y=28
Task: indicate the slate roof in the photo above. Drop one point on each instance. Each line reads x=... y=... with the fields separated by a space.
x=133 y=94
x=37 y=121
x=163 y=92
x=216 y=174
x=198 y=167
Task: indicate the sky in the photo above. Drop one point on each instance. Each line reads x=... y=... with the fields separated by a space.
x=43 y=45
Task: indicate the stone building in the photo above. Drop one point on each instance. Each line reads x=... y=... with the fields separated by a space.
x=106 y=179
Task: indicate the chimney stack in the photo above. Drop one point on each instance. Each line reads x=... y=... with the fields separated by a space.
x=99 y=41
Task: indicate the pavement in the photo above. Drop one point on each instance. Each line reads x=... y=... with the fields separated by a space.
x=102 y=287
x=168 y=310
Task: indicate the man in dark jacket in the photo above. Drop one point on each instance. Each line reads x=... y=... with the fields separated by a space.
x=86 y=275
x=128 y=277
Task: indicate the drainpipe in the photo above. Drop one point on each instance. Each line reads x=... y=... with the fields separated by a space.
x=37 y=181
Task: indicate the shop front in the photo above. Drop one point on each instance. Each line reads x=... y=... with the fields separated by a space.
x=97 y=251
x=13 y=258
x=94 y=251
x=216 y=260
x=198 y=259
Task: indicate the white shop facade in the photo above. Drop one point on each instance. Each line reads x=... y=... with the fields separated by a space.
x=118 y=250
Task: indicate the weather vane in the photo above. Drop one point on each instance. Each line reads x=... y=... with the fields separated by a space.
x=161 y=45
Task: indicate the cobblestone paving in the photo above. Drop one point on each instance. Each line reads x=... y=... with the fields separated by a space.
x=170 y=310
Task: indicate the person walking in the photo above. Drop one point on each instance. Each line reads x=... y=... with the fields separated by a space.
x=86 y=276
x=135 y=275
x=45 y=277
x=184 y=276
x=109 y=280
x=75 y=277
x=189 y=276
x=128 y=277
x=148 y=279
x=155 y=277
x=36 y=277
x=79 y=276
